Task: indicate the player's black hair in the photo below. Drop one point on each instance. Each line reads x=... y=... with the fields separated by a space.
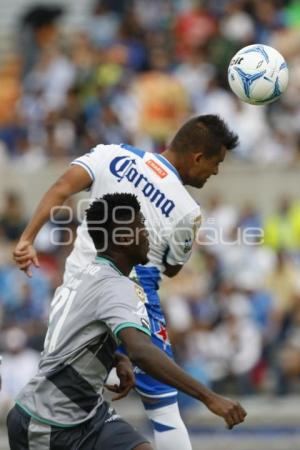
x=107 y=212
x=204 y=133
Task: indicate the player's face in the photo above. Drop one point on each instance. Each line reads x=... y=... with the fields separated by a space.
x=202 y=168
x=140 y=247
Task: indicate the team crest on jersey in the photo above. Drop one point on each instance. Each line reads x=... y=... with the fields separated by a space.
x=141 y=313
x=160 y=171
x=140 y=293
x=188 y=243
x=196 y=225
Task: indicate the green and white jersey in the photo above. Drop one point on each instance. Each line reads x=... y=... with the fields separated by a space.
x=86 y=315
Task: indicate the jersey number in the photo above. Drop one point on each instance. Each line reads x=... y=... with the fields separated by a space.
x=61 y=305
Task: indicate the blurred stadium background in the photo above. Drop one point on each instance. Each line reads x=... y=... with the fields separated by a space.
x=75 y=74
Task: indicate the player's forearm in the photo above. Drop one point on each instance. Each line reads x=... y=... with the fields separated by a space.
x=157 y=364
x=120 y=357
x=55 y=197
x=74 y=180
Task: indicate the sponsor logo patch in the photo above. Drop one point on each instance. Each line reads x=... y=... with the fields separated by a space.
x=160 y=171
x=188 y=243
x=123 y=167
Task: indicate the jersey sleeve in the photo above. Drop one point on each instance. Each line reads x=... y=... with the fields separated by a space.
x=123 y=306
x=182 y=238
x=91 y=161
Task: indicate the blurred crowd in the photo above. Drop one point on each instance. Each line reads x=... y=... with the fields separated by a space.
x=134 y=73
x=234 y=309
x=138 y=69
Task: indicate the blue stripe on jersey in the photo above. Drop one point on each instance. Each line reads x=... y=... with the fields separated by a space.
x=162 y=159
x=149 y=278
x=170 y=166
x=134 y=150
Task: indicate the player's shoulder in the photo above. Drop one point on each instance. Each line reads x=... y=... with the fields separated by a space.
x=117 y=285
x=113 y=151
x=187 y=202
x=102 y=271
x=100 y=149
x=108 y=273
x=96 y=274
x=186 y=206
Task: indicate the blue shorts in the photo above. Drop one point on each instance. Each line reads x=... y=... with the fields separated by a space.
x=148 y=278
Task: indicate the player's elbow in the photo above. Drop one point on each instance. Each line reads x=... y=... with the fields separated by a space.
x=172 y=271
x=61 y=190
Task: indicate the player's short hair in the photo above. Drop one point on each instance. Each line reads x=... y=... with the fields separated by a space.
x=207 y=133
x=107 y=213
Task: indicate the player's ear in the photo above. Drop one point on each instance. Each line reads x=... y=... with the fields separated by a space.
x=198 y=157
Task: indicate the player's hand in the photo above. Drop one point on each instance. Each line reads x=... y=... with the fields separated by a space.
x=24 y=255
x=126 y=376
x=232 y=412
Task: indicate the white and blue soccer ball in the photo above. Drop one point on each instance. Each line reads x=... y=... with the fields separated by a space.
x=258 y=74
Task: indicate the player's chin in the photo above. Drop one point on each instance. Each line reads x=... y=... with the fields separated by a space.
x=200 y=183
x=144 y=259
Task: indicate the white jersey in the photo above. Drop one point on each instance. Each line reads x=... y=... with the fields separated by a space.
x=172 y=215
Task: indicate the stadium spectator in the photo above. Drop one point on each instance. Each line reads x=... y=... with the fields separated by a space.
x=24 y=303
x=12 y=221
x=189 y=42
x=19 y=364
x=230 y=348
x=288 y=370
x=282 y=229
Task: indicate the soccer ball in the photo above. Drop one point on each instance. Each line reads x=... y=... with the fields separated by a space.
x=258 y=74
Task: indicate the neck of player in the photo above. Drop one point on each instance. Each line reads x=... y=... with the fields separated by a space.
x=177 y=162
x=119 y=260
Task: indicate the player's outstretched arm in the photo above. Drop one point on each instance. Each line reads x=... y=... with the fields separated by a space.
x=157 y=364
x=74 y=180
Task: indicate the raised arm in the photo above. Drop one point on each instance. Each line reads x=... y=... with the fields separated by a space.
x=74 y=180
x=157 y=364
